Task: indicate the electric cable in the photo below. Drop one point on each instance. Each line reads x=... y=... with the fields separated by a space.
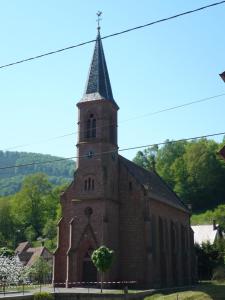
x=112 y=151
x=112 y=35
x=113 y=124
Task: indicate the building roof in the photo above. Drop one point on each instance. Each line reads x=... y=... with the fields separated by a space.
x=22 y=247
x=204 y=233
x=35 y=254
x=154 y=184
x=98 y=85
x=29 y=255
x=222 y=152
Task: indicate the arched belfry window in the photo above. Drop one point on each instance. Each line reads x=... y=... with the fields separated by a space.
x=89 y=184
x=112 y=130
x=91 y=127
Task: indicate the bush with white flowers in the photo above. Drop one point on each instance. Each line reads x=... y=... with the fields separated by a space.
x=11 y=270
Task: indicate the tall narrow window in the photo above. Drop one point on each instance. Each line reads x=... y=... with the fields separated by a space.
x=130 y=186
x=91 y=127
x=89 y=183
x=112 y=126
x=85 y=185
x=88 y=133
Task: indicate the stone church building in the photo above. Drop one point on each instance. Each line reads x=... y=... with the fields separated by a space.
x=116 y=203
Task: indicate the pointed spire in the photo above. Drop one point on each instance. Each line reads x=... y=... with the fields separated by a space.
x=98 y=83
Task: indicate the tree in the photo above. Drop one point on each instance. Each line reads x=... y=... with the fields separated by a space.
x=30 y=205
x=6 y=223
x=192 y=169
x=32 y=212
x=40 y=271
x=4 y=251
x=11 y=270
x=209 y=257
x=166 y=157
x=147 y=158
x=205 y=175
x=102 y=259
x=11 y=179
x=50 y=229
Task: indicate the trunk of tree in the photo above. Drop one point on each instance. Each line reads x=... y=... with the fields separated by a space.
x=101 y=281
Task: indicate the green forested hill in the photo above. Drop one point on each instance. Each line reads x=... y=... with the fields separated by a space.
x=11 y=179
x=193 y=169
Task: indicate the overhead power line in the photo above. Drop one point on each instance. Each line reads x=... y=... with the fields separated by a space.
x=112 y=151
x=130 y=119
x=176 y=106
x=113 y=34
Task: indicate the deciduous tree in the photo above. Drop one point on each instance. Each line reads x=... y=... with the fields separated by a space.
x=102 y=259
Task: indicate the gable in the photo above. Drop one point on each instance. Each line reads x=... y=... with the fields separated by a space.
x=87 y=235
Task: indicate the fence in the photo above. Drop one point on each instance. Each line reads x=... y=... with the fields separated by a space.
x=21 y=288
x=122 y=286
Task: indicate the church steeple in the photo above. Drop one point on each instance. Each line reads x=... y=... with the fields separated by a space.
x=97 y=123
x=98 y=85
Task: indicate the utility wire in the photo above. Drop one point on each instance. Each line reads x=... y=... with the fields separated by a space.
x=111 y=35
x=112 y=151
x=175 y=107
x=113 y=124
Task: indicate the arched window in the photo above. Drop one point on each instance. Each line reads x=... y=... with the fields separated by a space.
x=130 y=186
x=89 y=184
x=112 y=134
x=91 y=127
x=88 y=127
x=85 y=185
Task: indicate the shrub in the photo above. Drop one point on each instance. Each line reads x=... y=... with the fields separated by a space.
x=43 y=296
x=219 y=273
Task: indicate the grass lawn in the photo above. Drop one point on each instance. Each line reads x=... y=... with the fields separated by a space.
x=25 y=288
x=203 y=291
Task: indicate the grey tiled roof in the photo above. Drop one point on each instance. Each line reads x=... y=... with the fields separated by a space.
x=153 y=183
x=22 y=247
x=98 y=85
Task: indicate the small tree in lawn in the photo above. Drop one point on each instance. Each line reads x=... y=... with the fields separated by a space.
x=102 y=259
x=40 y=271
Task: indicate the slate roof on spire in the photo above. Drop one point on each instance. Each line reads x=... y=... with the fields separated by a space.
x=98 y=85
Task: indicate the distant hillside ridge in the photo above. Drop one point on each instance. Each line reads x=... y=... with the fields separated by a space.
x=11 y=179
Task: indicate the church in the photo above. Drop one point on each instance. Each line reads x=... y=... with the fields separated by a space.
x=116 y=203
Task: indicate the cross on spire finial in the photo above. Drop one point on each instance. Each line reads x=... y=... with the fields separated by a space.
x=99 y=13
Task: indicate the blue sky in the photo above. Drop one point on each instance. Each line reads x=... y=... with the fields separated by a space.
x=150 y=69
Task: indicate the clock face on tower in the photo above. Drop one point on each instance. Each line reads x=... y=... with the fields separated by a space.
x=90 y=154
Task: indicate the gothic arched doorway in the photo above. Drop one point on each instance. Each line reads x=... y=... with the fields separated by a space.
x=89 y=270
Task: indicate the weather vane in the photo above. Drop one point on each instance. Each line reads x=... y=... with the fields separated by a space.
x=99 y=13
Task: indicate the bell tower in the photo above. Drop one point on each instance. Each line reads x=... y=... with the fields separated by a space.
x=90 y=205
x=97 y=127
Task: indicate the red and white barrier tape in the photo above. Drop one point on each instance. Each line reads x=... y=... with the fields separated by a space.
x=95 y=282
